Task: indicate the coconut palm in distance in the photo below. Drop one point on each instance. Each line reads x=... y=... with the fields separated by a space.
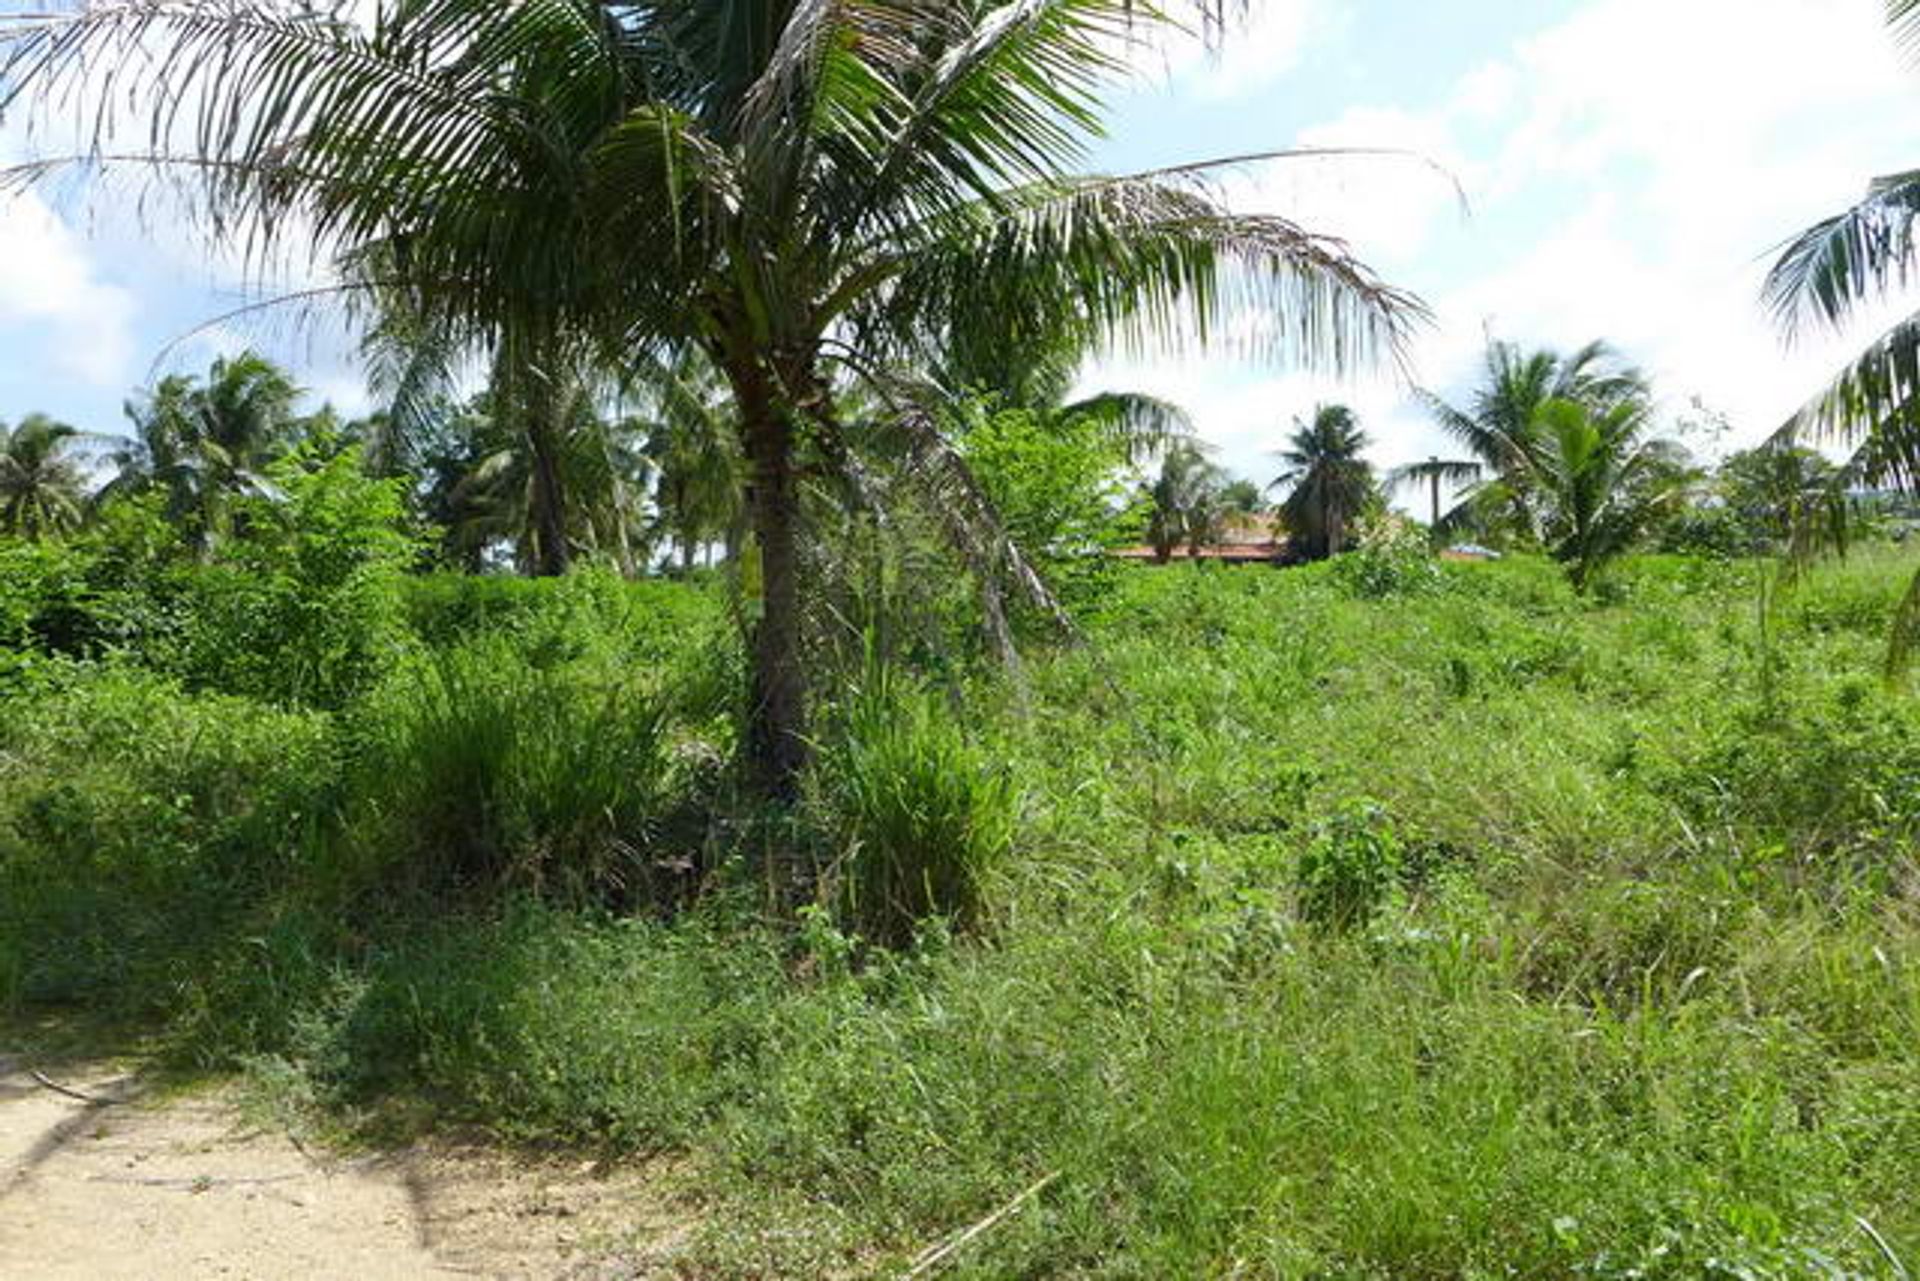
x=1327 y=481
x=804 y=192
x=1498 y=431
x=204 y=444
x=42 y=485
x=1184 y=503
x=1603 y=479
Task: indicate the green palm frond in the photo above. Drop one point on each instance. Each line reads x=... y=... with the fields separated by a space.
x=1872 y=405
x=1863 y=253
x=1135 y=424
x=1143 y=264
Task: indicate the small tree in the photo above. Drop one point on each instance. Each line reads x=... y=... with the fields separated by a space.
x=1184 y=503
x=1604 y=480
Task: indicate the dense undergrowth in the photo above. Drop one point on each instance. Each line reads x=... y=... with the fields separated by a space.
x=1363 y=919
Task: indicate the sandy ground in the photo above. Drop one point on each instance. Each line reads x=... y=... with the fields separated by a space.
x=122 y=1186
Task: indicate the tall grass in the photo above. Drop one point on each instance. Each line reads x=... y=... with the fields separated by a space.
x=921 y=818
x=1343 y=922
x=478 y=770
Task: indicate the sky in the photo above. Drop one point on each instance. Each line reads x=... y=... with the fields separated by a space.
x=1613 y=169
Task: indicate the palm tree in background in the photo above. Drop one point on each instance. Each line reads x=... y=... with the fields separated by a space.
x=805 y=193
x=689 y=441
x=1327 y=481
x=42 y=485
x=1185 y=502
x=206 y=443
x=1500 y=432
x=1603 y=478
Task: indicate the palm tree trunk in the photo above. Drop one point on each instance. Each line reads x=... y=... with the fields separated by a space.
x=776 y=698
x=553 y=556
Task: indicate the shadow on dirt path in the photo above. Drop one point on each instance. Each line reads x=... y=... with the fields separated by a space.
x=102 y=1177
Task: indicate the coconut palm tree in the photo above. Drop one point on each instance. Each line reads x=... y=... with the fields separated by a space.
x=688 y=434
x=802 y=190
x=207 y=443
x=1603 y=479
x=1328 y=483
x=1498 y=431
x=1185 y=502
x=42 y=486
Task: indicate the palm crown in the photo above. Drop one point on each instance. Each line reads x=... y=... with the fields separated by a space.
x=41 y=481
x=1327 y=480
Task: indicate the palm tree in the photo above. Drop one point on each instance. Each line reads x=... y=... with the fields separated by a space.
x=1185 y=502
x=41 y=483
x=1328 y=483
x=802 y=192
x=1604 y=479
x=688 y=428
x=489 y=481
x=1498 y=430
x=207 y=443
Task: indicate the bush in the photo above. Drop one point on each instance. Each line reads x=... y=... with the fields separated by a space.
x=919 y=815
x=305 y=609
x=1351 y=869
x=1393 y=558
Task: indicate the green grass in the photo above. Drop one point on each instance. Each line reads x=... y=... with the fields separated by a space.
x=1310 y=923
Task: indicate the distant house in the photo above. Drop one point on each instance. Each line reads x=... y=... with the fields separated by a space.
x=1469 y=552
x=1244 y=540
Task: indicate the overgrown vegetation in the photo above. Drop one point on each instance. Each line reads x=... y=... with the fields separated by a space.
x=1376 y=917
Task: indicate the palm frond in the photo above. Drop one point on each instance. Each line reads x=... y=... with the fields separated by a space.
x=1138 y=425
x=1866 y=252
x=1143 y=265
x=1874 y=405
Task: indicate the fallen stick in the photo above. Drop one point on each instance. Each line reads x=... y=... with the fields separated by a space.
x=934 y=1256
x=58 y=1088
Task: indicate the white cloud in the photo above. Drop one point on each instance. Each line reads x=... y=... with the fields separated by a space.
x=52 y=300
x=1630 y=168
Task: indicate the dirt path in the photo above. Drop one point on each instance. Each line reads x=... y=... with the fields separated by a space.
x=122 y=1187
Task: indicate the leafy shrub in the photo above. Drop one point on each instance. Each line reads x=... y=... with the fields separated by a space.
x=1392 y=558
x=920 y=816
x=1350 y=870
x=304 y=609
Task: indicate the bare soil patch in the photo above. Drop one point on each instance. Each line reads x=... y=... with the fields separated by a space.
x=120 y=1183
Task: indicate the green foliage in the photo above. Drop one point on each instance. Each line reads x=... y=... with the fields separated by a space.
x=919 y=816
x=305 y=608
x=1351 y=868
x=1477 y=928
x=141 y=829
x=544 y=1025
x=479 y=770
x=1055 y=483
x=1391 y=558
